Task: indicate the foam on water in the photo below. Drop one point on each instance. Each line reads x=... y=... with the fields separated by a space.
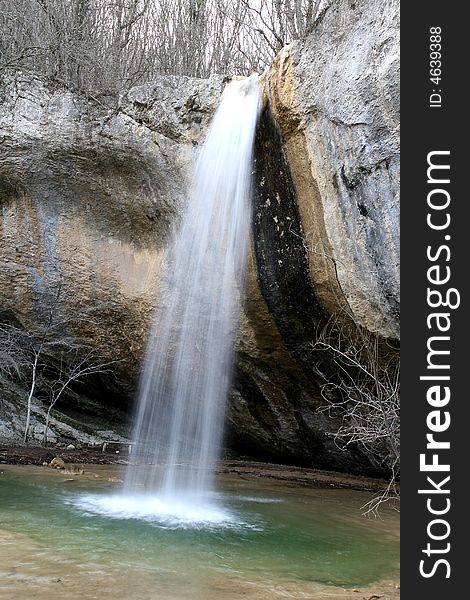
x=260 y=500
x=181 y=512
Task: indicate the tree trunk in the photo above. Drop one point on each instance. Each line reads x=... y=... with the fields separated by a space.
x=30 y=399
x=46 y=427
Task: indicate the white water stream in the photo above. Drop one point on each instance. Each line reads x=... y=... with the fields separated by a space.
x=189 y=359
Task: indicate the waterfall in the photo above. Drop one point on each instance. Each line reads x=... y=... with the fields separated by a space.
x=189 y=359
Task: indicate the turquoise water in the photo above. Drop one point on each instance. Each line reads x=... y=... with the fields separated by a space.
x=272 y=534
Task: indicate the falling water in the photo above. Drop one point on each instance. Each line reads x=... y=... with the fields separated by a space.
x=189 y=358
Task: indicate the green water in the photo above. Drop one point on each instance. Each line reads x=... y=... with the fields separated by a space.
x=281 y=536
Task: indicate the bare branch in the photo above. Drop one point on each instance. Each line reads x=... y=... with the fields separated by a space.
x=48 y=356
x=100 y=46
x=364 y=396
x=75 y=364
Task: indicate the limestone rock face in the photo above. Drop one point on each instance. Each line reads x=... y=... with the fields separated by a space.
x=326 y=204
x=90 y=189
x=335 y=98
x=89 y=192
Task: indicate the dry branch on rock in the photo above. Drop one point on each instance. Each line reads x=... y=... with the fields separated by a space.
x=48 y=359
x=364 y=397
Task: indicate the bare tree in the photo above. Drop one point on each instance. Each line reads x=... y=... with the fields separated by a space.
x=48 y=357
x=365 y=397
x=35 y=346
x=19 y=353
x=76 y=362
x=107 y=46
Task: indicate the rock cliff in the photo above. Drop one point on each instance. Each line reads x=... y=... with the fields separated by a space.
x=335 y=100
x=90 y=189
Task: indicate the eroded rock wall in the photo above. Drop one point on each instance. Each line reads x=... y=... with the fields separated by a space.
x=335 y=98
x=89 y=193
